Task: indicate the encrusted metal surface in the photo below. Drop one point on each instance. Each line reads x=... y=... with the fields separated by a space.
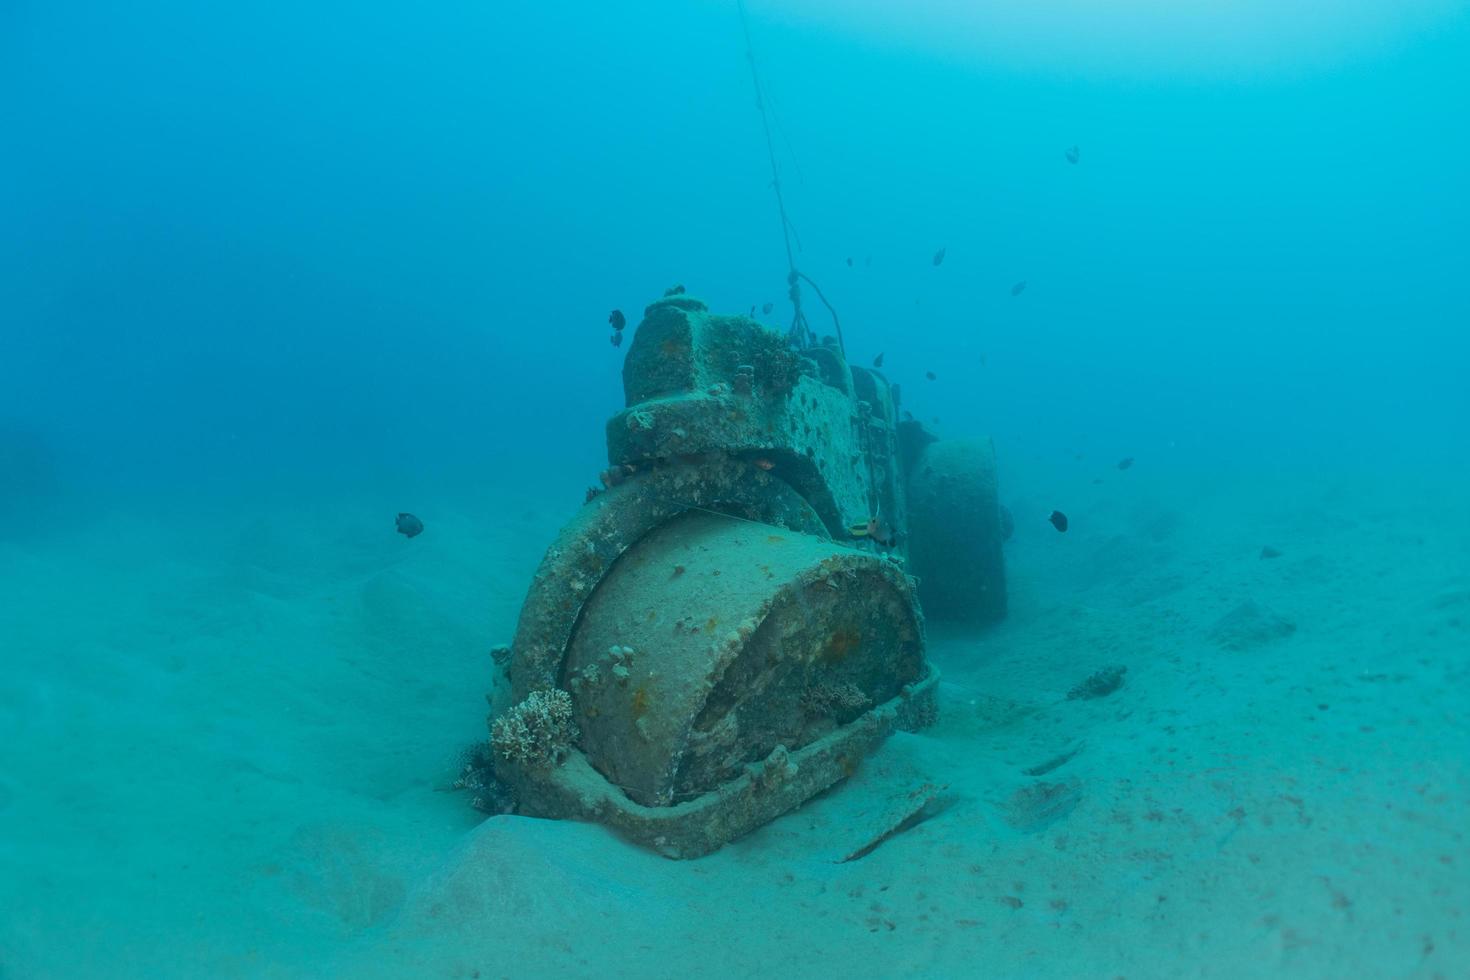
x=714 y=640
x=731 y=637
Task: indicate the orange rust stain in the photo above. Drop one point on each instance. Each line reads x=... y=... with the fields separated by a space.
x=710 y=623
x=840 y=645
x=774 y=539
x=639 y=707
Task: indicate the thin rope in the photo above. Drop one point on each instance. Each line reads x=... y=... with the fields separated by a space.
x=800 y=334
x=835 y=322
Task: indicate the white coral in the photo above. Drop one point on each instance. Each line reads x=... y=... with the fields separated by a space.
x=537 y=732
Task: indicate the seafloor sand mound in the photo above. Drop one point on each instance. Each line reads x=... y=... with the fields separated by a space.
x=1250 y=625
x=230 y=754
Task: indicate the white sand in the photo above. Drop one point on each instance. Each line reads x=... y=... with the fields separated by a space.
x=226 y=738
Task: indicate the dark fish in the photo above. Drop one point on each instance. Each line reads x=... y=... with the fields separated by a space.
x=1097 y=482
x=752 y=309
x=1125 y=462
x=1073 y=155
x=878 y=361
x=849 y=261
x=1270 y=552
x=931 y=376
x=1058 y=520
x=617 y=339
x=409 y=526
x=1018 y=288
x=617 y=319
x=768 y=307
x=939 y=256
x=676 y=290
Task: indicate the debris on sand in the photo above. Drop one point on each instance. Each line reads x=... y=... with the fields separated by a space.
x=904 y=811
x=1054 y=763
x=1099 y=685
x=1036 y=807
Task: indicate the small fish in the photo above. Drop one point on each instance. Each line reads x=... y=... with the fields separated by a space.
x=1018 y=288
x=617 y=339
x=849 y=261
x=939 y=256
x=617 y=319
x=768 y=307
x=675 y=290
x=1125 y=462
x=878 y=361
x=752 y=309
x=879 y=532
x=1074 y=154
x=1097 y=482
x=409 y=526
x=1058 y=520
x=764 y=464
x=931 y=375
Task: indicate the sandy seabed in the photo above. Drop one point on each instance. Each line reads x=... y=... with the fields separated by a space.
x=228 y=738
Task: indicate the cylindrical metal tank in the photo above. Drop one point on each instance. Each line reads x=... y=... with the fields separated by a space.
x=955 y=532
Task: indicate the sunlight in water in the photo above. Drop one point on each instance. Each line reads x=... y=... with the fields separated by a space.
x=1202 y=37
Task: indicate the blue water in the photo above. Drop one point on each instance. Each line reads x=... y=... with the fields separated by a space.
x=271 y=273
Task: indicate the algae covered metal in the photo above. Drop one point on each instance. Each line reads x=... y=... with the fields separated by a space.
x=723 y=632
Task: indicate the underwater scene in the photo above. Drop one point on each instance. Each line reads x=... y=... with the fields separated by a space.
x=735 y=488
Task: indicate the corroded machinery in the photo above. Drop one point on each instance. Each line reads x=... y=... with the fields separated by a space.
x=728 y=627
